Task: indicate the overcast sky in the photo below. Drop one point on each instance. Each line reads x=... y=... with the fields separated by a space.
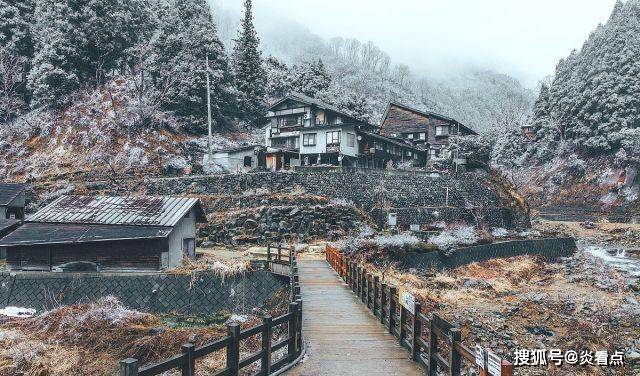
x=522 y=38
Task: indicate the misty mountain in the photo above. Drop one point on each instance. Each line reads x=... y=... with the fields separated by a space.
x=481 y=99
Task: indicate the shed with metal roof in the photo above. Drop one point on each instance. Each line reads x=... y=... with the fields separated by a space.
x=106 y=233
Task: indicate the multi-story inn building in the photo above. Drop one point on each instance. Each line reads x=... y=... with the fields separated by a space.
x=428 y=131
x=304 y=131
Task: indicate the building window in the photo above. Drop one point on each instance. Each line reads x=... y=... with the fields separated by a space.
x=248 y=161
x=441 y=130
x=379 y=146
x=290 y=120
x=333 y=138
x=189 y=248
x=351 y=140
x=309 y=139
x=410 y=136
x=434 y=153
x=423 y=136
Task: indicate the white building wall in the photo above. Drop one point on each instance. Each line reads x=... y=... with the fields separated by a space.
x=321 y=140
x=234 y=161
x=185 y=229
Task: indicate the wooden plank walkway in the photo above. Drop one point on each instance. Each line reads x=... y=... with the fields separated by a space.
x=341 y=336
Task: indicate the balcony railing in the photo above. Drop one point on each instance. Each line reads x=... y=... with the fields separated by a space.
x=333 y=148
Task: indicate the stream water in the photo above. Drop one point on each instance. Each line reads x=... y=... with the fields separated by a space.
x=614 y=255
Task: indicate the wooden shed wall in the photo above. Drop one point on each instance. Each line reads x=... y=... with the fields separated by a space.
x=125 y=254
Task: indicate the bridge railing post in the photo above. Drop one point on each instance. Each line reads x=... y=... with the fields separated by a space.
x=233 y=349
x=265 y=360
x=376 y=294
x=129 y=367
x=189 y=366
x=383 y=303
x=433 y=348
x=417 y=333
x=454 y=356
x=403 y=323
x=292 y=330
x=393 y=296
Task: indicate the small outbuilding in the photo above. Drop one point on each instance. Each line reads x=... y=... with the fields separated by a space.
x=12 y=201
x=240 y=159
x=102 y=233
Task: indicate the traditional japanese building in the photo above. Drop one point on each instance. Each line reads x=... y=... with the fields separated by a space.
x=106 y=233
x=426 y=130
x=304 y=131
x=12 y=201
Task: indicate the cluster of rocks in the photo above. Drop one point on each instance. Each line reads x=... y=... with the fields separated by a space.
x=279 y=223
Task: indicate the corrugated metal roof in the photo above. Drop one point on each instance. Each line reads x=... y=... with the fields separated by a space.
x=8 y=192
x=132 y=211
x=56 y=233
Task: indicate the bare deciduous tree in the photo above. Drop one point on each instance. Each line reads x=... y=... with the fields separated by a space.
x=12 y=68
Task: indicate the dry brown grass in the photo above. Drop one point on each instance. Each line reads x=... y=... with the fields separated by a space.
x=90 y=339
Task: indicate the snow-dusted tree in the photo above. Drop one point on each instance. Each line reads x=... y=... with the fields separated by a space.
x=12 y=84
x=16 y=51
x=54 y=74
x=16 y=17
x=509 y=149
x=476 y=149
x=311 y=78
x=185 y=38
x=79 y=41
x=250 y=75
x=278 y=78
x=594 y=96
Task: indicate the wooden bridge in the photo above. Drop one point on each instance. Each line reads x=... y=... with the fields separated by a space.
x=355 y=324
x=342 y=337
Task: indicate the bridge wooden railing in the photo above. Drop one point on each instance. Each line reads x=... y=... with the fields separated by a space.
x=291 y=323
x=433 y=342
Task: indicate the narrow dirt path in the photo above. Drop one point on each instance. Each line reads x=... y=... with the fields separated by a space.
x=341 y=336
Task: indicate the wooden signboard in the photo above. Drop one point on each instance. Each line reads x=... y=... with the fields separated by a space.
x=408 y=301
x=494 y=364
x=480 y=355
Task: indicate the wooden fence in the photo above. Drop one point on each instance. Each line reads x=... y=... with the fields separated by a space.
x=291 y=323
x=433 y=342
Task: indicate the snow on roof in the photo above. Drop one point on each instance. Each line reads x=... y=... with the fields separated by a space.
x=133 y=211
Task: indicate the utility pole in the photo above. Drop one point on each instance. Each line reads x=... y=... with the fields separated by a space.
x=210 y=140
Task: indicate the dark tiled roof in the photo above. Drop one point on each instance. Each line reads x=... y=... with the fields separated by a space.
x=6 y=225
x=132 y=211
x=53 y=233
x=8 y=192
x=425 y=114
x=313 y=101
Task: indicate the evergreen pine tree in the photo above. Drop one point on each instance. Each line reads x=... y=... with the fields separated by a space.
x=79 y=42
x=311 y=79
x=541 y=109
x=54 y=74
x=593 y=98
x=186 y=36
x=278 y=78
x=16 y=52
x=16 y=17
x=250 y=75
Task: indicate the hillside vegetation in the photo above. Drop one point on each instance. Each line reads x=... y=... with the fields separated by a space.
x=587 y=122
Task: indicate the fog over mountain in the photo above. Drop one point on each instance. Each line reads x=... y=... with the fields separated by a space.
x=522 y=39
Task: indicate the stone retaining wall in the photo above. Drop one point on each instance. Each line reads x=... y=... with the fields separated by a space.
x=202 y=293
x=403 y=192
x=548 y=248
x=280 y=223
